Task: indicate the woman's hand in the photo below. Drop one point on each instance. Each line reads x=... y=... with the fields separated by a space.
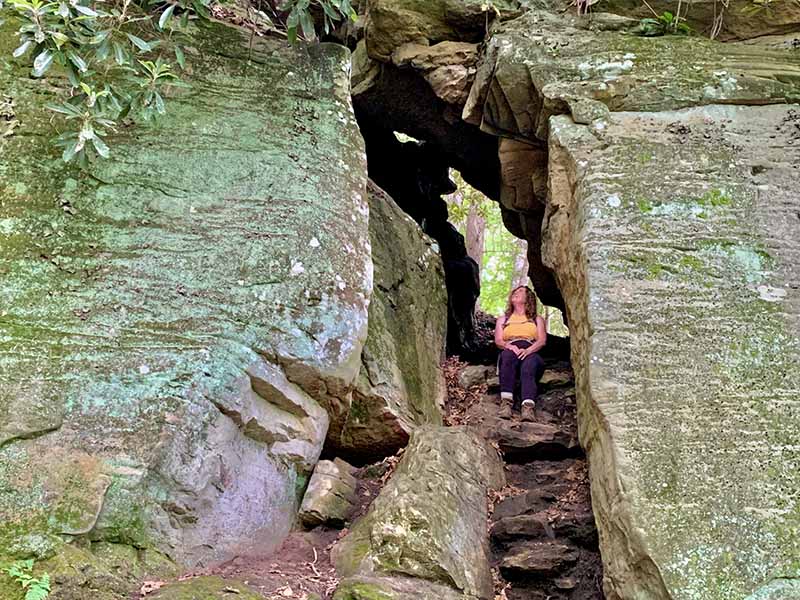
x=525 y=352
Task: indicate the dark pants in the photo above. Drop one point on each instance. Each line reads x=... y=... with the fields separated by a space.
x=528 y=371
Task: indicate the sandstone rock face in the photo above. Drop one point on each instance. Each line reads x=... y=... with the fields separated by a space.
x=429 y=522
x=674 y=237
x=543 y=64
x=207 y=588
x=739 y=20
x=169 y=346
x=331 y=495
x=393 y=588
x=392 y=23
x=400 y=385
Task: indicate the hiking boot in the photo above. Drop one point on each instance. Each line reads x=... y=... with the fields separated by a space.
x=527 y=413
x=506 y=404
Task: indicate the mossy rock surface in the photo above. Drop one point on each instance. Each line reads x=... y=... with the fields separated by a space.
x=429 y=521
x=675 y=238
x=393 y=588
x=541 y=63
x=740 y=19
x=207 y=588
x=400 y=385
x=169 y=345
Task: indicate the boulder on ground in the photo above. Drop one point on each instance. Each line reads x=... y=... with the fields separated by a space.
x=170 y=344
x=207 y=588
x=330 y=498
x=684 y=308
x=475 y=375
x=393 y=588
x=429 y=521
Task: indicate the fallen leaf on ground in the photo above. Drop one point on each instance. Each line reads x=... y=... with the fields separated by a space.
x=148 y=587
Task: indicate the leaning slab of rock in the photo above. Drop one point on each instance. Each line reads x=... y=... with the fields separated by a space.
x=400 y=384
x=684 y=308
x=429 y=522
x=331 y=495
x=170 y=344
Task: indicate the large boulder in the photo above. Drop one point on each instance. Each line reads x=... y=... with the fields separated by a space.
x=174 y=326
x=429 y=521
x=543 y=64
x=207 y=588
x=392 y=23
x=393 y=588
x=675 y=239
x=400 y=384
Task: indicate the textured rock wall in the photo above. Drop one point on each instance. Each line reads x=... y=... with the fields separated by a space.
x=174 y=327
x=429 y=521
x=400 y=385
x=674 y=236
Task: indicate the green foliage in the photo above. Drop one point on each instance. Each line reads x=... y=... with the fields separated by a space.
x=301 y=21
x=35 y=588
x=120 y=57
x=116 y=56
x=664 y=24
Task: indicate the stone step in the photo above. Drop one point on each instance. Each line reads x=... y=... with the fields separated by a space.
x=526 y=442
x=512 y=529
x=539 y=560
x=577 y=526
x=531 y=502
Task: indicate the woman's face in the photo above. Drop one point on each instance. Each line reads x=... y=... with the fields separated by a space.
x=519 y=297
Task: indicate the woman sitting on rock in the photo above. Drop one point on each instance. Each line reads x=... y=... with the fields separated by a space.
x=520 y=334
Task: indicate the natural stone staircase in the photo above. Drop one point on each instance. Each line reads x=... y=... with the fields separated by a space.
x=543 y=534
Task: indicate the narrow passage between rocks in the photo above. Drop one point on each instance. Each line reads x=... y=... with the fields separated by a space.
x=542 y=530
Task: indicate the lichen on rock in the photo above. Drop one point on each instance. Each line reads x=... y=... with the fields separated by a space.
x=685 y=327
x=429 y=521
x=170 y=347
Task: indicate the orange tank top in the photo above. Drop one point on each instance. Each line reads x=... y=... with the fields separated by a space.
x=519 y=327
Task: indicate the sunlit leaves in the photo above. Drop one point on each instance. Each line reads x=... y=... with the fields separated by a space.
x=112 y=53
x=301 y=22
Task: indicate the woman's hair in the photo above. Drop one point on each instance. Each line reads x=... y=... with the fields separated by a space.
x=530 y=302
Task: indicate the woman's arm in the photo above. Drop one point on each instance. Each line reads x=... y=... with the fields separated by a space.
x=498 y=332
x=541 y=337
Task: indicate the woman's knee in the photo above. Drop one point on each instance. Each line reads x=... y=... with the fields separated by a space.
x=533 y=364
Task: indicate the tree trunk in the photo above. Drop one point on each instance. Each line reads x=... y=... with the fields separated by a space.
x=476 y=229
x=520 y=276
